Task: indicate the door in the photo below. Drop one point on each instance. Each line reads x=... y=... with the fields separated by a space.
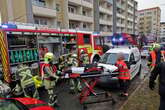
x=133 y=66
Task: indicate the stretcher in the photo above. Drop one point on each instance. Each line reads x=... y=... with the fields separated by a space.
x=89 y=77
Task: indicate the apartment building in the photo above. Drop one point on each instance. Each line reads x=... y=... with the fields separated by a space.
x=149 y=21
x=162 y=30
x=126 y=16
x=80 y=14
x=105 y=16
x=40 y=12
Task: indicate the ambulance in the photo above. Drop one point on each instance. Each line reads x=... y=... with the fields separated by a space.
x=132 y=58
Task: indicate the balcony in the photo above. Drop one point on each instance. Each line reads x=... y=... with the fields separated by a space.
x=86 y=3
x=130 y=19
x=120 y=25
x=78 y=17
x=120 y=16
x=105 y=22
x=105 y=10
x=44 y=11
x=130 y=3
x=76 y=2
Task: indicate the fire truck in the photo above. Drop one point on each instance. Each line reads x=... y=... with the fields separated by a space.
x=27 y=45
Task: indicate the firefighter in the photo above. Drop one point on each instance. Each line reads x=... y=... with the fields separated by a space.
x=159 y=71
x=49 y=77
x=124 y=75
x=84 y=59
x=74 y=83
x=27 y=83
x=156 y=56
x=4 y=87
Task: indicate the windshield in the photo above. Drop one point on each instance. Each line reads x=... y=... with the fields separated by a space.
x=9 y=104
x=145 y=48
x=110 y=58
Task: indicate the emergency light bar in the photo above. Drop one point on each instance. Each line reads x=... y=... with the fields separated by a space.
x=117 y=39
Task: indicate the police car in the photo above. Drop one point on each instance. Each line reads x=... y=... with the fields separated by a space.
x=132 y=58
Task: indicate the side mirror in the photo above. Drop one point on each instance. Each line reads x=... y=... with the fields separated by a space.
x=128 y=64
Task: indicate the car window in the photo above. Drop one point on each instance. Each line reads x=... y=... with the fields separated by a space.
x=111 y=58
x=132 y=58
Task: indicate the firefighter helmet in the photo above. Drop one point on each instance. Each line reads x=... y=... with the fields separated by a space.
x=49 y=57
x=156 y=45
x=82 y=51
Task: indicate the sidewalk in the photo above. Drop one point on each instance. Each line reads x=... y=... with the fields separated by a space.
x=143 y=99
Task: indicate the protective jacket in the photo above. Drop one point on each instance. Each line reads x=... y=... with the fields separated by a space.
x=155 y=58
x=159 y=70
x=123 y=70
x=48 y=71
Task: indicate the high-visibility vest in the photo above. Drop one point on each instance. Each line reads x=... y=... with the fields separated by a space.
x=153 y=57
x=53 y=69
x=124 y=73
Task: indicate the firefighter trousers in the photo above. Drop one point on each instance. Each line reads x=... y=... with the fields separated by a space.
x=75 y=85
x=124 y=85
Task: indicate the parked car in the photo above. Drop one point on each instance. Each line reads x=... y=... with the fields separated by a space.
x=23 y=104
x=162 y=45
x=108 y=60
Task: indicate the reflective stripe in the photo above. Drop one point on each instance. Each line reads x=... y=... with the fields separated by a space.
x=123 y=70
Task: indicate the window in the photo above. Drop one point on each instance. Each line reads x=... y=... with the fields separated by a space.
x=58 y=7
x=132 y=57
x=36 y=21
x=58 y=23
x=84 y=25
x=97 y=40
x=84 y=13
x=43 y=21
x=71 y=9
x=40 y=21
x=39 y=3
x=87 y=39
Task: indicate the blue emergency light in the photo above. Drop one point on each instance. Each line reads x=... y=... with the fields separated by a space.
x=117 y=39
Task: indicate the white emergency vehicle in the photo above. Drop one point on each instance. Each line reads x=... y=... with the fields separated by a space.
x=132 y=58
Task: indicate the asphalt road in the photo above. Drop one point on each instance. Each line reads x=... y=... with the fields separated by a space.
x=69 y=101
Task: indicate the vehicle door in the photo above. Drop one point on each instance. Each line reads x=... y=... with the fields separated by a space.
x=133 y=66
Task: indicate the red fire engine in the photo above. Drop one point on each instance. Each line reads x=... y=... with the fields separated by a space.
x=28 y=46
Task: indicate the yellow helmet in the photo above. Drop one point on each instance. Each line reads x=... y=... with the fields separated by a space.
x=156 y=45
x=49 y=57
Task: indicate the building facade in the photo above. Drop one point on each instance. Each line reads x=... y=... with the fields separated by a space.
x=162 y=30
x=149 y=21
x=104 y=16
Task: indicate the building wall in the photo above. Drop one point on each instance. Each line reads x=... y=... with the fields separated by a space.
x=11 y=12
x=107 y=16
x=149 y=21
x=162 y=29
